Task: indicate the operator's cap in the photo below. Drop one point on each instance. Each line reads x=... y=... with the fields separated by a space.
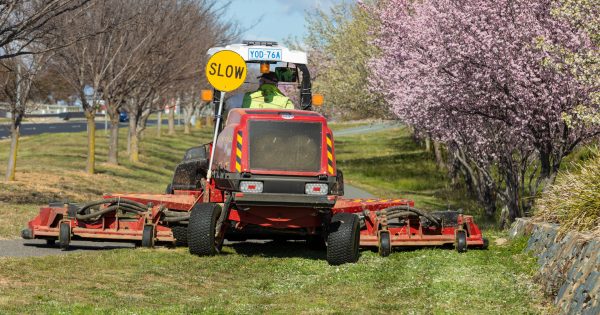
x=271 y=76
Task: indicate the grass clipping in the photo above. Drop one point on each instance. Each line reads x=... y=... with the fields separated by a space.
x=574 y=200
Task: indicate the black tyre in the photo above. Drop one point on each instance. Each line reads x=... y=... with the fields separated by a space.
x=343 y=239
x=64 y=236
x=169 y=190
x=385 y=244
x=461 y=241
x=148 y=236
x=486 y=243
x=180 y=233
x=201 y=229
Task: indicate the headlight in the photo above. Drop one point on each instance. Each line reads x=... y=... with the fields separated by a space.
x=316 y=189
x=251 y=186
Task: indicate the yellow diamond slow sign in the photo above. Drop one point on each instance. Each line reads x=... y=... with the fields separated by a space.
x=226 y=70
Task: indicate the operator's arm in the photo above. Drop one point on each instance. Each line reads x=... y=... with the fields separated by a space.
x=247 y=101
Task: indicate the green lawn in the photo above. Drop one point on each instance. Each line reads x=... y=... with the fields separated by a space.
x=264 y=278
x=251 y=278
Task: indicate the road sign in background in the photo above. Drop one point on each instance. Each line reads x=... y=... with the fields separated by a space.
x=226 y=70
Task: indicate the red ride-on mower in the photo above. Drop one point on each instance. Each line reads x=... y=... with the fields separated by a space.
x=270 y=174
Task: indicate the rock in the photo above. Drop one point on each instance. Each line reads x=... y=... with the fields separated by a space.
x=569 y=266
x=501 y=241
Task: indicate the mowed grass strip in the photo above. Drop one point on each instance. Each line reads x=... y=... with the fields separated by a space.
x=51 y=167
x=273 y=277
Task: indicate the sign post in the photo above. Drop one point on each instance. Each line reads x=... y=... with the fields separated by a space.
x=226 y=71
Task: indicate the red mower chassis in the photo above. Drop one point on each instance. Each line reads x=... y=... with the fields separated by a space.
x=385 y=223
x=274 y=176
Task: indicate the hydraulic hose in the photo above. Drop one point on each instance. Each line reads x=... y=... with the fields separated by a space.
x=125 y=205
x=89 y=211
x=395 y=211
x=401 y=212
x=176 y=218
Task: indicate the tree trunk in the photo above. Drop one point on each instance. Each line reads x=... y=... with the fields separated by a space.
x=113 y=142
x=488 y=199
x=439 y=158
x=512 y=198
x=159 y=124
x=91 y=133
x=130 y=130
x=427 y=144
x=134 y=156
x=186 y=123
x=171 y=121
x=12 y=157
x=134 y=153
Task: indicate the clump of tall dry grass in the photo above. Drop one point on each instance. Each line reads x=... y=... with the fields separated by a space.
x=574 y=200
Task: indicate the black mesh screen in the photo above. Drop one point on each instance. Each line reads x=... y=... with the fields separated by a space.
x=285 y=146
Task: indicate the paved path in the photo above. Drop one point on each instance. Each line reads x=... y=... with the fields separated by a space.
x=29 y=129
x=29 y=248
x=374 y=127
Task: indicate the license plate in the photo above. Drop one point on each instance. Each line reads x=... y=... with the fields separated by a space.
x=264 y=54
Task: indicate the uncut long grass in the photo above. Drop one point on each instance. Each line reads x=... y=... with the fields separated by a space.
x=574 y=200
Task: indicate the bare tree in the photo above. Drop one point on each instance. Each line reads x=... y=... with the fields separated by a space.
x=27 y=38
x=25 y=23
x=180 y=29
x=20 y=73
x=86 y=64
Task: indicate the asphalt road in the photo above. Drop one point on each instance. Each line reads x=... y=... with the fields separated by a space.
x=29 y=248
x=374 y=127
x=29 y=129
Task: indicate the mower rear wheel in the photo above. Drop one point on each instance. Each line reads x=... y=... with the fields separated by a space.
x=148 y=236
x=461 y=241
x=202 y=228
x=64 y=235
x=343 y=239
x=385 y=244
x=180 y=233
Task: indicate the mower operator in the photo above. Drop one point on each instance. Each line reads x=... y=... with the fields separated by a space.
x=267 y=95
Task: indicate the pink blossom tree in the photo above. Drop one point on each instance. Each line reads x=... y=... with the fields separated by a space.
x=472 y=74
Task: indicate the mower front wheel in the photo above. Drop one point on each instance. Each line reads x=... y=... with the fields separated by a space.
x=64 y=235
x=148 y=236
x=385 y=244
x=461 y=241
x=202 y=240
x=343 y=239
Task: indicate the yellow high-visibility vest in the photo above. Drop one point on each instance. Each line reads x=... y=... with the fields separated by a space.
x=267 y=96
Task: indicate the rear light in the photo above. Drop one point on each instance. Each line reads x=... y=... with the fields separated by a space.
x=251 y=186
x=316 y=189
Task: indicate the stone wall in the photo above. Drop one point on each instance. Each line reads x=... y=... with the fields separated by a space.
x=569 y=265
